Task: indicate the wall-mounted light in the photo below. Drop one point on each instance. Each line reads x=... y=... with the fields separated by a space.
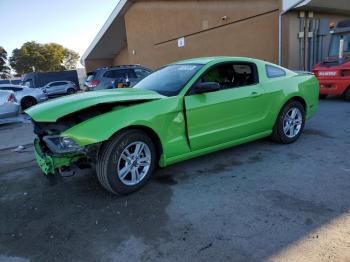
x=134 y=52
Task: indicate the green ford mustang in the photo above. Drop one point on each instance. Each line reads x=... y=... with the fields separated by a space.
x=183 y=110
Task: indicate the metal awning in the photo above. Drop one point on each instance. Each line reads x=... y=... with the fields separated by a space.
x=327 y=6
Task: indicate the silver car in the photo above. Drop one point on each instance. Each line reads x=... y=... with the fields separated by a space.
x=8 y=105
x=60 y=88
x=26 y=96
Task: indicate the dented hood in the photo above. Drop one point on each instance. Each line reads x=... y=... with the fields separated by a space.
x=52 y=110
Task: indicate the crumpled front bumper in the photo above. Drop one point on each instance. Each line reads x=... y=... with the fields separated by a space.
x=50 y=163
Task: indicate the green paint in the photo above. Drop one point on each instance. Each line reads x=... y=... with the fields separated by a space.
x=187 y=126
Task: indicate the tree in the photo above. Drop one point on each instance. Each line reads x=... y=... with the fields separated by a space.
x=5 y=71
x=33 y=56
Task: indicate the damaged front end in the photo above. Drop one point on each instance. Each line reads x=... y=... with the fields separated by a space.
x=56 y=154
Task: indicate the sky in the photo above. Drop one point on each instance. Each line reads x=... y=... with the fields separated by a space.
x=71 y=23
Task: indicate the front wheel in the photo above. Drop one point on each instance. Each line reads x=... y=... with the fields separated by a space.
x=126 y=162
x=290 y=123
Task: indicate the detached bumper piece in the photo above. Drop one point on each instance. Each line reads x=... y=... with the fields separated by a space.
x=50 y=163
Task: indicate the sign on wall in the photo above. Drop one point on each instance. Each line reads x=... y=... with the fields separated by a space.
x=181 y=42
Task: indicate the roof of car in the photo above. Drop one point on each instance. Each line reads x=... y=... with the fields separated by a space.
x=206 y=60
x=11 y=85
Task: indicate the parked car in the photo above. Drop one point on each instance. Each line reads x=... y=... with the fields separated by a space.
x=26 y=96
x=183 y=110
x=102 y=78
x=8 y=105
x=60 y=88
x=39 y=79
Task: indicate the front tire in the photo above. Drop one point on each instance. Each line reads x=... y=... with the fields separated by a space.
x=126 y=162
x=290 y=123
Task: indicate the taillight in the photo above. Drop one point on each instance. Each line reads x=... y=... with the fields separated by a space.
x=94 y=83
x=11 y=98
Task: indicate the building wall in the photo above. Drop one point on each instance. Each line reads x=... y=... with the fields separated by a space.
x=291 y=41
x=122 y=58
x=92 y=64
x=210 y=28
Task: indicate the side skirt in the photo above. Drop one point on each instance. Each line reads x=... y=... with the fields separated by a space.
x=168 y=161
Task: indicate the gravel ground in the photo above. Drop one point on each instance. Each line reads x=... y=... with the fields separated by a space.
x=256 y=202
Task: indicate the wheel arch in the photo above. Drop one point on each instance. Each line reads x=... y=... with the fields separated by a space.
x=149 y=131
x=26 y=97
x=291 y=98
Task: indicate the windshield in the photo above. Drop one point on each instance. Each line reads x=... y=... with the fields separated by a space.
x=335 y=43
x=169 y=80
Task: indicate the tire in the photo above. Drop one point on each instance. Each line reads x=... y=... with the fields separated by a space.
x=284 y=118
x=70 y=91
x=28 y=102
x=111 y=160
x=347 y=94
x=322 y=96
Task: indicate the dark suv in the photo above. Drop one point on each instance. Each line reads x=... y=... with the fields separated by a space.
x=106 y=77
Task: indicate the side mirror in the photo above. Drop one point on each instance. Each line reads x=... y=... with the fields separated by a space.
x=206 y=87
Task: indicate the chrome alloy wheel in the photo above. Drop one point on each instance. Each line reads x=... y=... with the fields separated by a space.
x=134 y=163
x=292 y=122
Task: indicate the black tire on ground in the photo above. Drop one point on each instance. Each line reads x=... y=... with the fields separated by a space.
x=278 y=134
x=322 y=96
x=70 y=91
x=108 y=158
x=28 y=102
x=347 y=94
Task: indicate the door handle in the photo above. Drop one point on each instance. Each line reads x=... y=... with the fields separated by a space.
x=255 y=94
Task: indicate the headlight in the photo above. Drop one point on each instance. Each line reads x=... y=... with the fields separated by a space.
x=62 y=144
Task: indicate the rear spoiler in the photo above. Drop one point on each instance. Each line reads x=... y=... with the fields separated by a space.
x=303 y=72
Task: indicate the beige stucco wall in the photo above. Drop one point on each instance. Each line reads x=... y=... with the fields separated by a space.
x=153 y=28
x=92 y=64
x=122 y=58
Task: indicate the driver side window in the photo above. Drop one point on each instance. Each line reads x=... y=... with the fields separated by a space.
x=232 y=75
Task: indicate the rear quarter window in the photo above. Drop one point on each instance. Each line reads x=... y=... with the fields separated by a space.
x=273 y=71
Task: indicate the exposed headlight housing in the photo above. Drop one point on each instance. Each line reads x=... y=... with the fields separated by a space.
x=62 y=144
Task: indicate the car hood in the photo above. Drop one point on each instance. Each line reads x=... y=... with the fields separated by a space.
x=52 y=110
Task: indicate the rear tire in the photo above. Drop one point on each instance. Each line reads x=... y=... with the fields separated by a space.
x=290 y=123
x=126 y=162
x=28 y=102
x=347 y=94
x=70 y=91
x=322 y=96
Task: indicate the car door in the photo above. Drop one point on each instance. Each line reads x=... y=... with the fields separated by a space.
x=234 y=112
x=54 y=88
x=62 y=87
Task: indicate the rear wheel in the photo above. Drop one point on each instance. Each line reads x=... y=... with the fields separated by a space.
x=322 y=96
x=290 y=123
x=70 y=91
x=126 y=162
x=28 y=102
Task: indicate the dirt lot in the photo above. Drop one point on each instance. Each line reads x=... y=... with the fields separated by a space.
x=256 y=202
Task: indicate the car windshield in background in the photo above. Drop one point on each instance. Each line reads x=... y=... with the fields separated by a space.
x=169 y=80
